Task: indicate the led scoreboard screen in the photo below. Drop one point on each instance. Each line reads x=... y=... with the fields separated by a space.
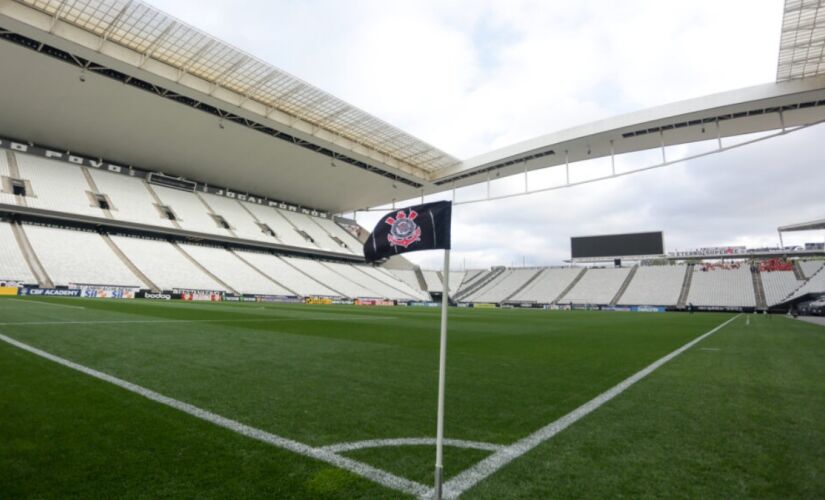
x=617 y=245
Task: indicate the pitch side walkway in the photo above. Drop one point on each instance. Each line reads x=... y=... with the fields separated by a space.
x=817 y=320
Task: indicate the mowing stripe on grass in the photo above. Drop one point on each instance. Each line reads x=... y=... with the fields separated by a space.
x=381 y=443
x=140 y=321
x=40 y=303
x=483 y=469
x=364 y=470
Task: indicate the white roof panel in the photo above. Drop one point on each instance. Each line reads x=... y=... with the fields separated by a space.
x=148 y=31
x=803 y=40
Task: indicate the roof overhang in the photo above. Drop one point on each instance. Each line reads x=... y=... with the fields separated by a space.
x=760 y=108
x=214 y=114
x=813 y=225
x=137 y=33
x=802 y=43
x=173 y=127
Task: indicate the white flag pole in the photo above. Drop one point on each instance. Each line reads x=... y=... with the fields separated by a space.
x=442 y=362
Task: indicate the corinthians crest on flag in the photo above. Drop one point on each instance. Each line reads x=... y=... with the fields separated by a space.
x=422 y=227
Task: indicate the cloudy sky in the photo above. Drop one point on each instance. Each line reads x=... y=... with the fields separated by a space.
x=469 y=76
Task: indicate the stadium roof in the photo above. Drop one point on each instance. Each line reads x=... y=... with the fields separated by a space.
x=238 y=122
x=159 y=36
x=803 y=40
x=813 y=225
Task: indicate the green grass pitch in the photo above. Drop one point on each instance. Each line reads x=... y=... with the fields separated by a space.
x=740 y=414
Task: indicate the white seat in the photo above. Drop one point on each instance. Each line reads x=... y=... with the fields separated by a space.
x=165 y=265
x=191 y=212
x=287 y=275
x=130 y=198
x=655 y=286
x=79 y=257
x=548 y=286
x=778 y=285
x=389 y=279
x=57 y=186
x=722 y=287
x=13 y=265
x=335 y=281
x=236 y=273
x=597 y=286
x=5 y=197
x=502 y=286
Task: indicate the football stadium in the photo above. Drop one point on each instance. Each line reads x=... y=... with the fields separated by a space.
x=192 y=304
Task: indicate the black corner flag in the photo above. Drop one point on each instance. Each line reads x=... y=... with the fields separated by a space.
x=422 y=227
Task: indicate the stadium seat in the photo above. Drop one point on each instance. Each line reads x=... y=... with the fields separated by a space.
x=548 y=285
x=722 y=287
x=323 y=274
x=13 y=267
x=655 y=286
x=57 y=186
x=131 y=199
x=502 y=286
x=286 y=274
x=597 y=286
x=72 y=257
x=165 y=265
x=234 y=272
x=778 y=285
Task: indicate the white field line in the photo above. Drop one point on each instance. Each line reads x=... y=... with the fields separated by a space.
x=381 y=443
x=364 y=470
x=46 y=303
x=483 y=469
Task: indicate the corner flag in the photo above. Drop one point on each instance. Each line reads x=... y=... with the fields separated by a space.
x=422 y=227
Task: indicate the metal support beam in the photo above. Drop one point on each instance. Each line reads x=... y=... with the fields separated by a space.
x=526 y=183
x=187 y=64
x=612 y=158
x=218 y=81
x=154 y=45
x=641 y=169
x=488 y=185
x=257 y=86
x=662 y=144
x=57 y=14
x=112 y=25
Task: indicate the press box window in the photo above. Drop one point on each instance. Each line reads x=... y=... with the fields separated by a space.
x=102 y=202
x=18 y=187
x=168 y=213
x=306 y=236
x=221 y=222
x=267 y=230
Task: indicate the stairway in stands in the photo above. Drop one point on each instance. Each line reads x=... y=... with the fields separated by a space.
x=33 y=262
x=129 y=264
x=203 y=269
x=533 y=278
x=480 y=283
x=624 y=286
x=683 y=295
x=797 y=271
x=419 y=275
x=570 y=286
x=758 y=288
